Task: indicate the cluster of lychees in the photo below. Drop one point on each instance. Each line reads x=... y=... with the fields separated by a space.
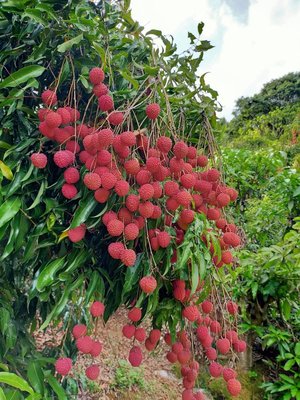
x=155 y=180
x=85 y=345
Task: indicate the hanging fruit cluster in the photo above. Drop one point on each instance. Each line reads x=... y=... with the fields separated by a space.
x=162 y=196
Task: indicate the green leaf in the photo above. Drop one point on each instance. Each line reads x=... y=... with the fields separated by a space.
x=9 y=209
x=58 y=389
x=22 y=75
x=297 y=349
x=15 y=381
x=6 y=171
x=2 y=395
x=100 y=50
x=84 y=210
x=39 y=195
x=36 y=15
x=286 y=309
x=195 y=275
x=130 y=79
x=288 y=365
x=36 y=376
x=46 y=276
x=200 y=27
x=62 y=48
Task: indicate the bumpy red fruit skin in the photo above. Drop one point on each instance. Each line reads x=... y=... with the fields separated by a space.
x=115 y=250
x=128 y=257
x=68 y=191
x=135 y=356
x=100 y=90
x=128 y=331
x=154 y=335
x=63 y=366
x=49 y=97
x=188 y=181
x=179 y=293
x=153 y=164
x=184 y=357
x=187 y=216
x=180 y=149
x=132 y=202
x=96 y=76
x=164 y=144
x=115 y=227
x=213 y=175
x=164 y=239
x=135 y=314
x=149 y=345
x=207 y=307
x=39 y=160
x=146 y=191
x=148 y=284
x=97 y=309
x=187 y=394
x=92 y=372
x=171 y=188
x=140 y=334
x=132 y=166
x=53 y=119
x=71 y=175
x=215 y=327
x=108 y=180
x=232 y=239
x=215 y=369
x=202 y=332
x=96 y=349
x=191 y=313
x=84 y=344
x=101 y=195
x=121 y=188
x=116 y=118
x=77 y=234
x=234 y=387
x=223 y=345
x=232 y=307
x=232 y=336
x=79 y=330
x=131 y=231
x=62 y=158
x=92 y=181
x=171 y=357
x=128 y=138
x=152 y=110
x=240 y=346
x=146 y=209
x=229 y=373
x=223 y=199
x=105 y=103
x=211 y=353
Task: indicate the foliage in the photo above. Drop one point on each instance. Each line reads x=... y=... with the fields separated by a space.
x=54 y=44
x=127 y=377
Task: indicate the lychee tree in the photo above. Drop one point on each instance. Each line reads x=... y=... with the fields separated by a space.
x=111 y=193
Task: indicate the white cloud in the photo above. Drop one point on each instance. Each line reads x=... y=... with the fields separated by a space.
x=248 y=55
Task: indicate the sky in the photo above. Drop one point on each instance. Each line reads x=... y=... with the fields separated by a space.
x=255 y=40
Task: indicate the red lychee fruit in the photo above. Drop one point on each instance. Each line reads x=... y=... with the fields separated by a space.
x=179 y=293
x=135 y=314
x=184 y=356
x=146 y=191
x=171 y=357
x=121 y=188
x=108 y=180
x=184 y=198
x=149 y=345
x=223 y=199
x=148 y=284
x=143 y=177
x=177 y=347
x=191 y=313
x=131 y=231
x=227 y=257
x=180 y=149
x=211 y=353
x=105 y=103
x=100 y=90
x=92 y=372
x=63 y=158
x=96 y=75
x=39 y=160
x=53 y=119
x=240 y=346
x=128 y=331
x=164 y=144
x=202 y=332
x=92 y=181
x=132 y=202
x=49 y=97
x=77 y=234
x=215 y=327
x=188 y=181
x=171 y=188
x=229 y=373
x=215 y=369
x=101 y=195
x=199 y=396
x=116 y=118
x=232 y=239
x=135 y=356
x=132 y=167
x=152 y=110
x=109 y=216
x=96 y=349
x=115 y=250
x=153 y=164
x=213 y=175
x=232 y=336
x=146 y=209
x=128 y=257
x=234 y=387
x=187 y=216
x=207 y=306
x=187 y=394
x=63 y=366
x=213 y=214
x=223 y=345
x=164 y=239
x=154 y=335
x=115 y=227
x=140 y=334
x=97 y=309
x=84 y=344
x=68 y=191
x=128 y=138
x=232 y=307
x=79 y=330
